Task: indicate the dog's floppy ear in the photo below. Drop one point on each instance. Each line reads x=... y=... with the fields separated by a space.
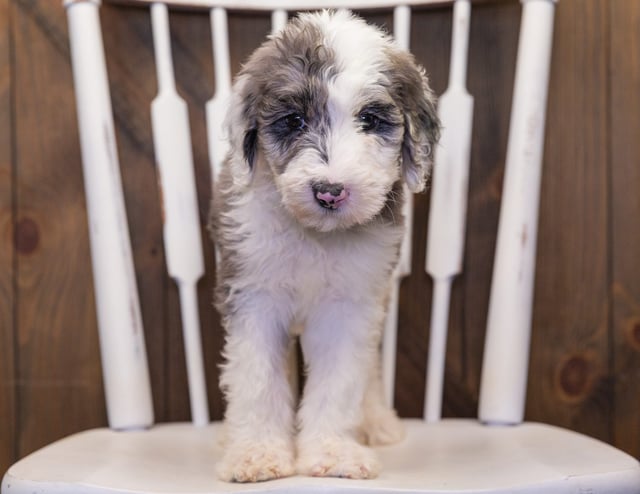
x=242 y=125
x=421 y=124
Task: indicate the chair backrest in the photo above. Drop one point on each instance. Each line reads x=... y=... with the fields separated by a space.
x=125 y=370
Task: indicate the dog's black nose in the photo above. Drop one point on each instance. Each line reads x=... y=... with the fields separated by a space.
x=329 y=195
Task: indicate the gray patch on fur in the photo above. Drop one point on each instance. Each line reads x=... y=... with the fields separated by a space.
x=224 y=232
x=410 y=89
x=288 y=75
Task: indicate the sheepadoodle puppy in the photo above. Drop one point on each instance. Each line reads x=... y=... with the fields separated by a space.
x=328 y=120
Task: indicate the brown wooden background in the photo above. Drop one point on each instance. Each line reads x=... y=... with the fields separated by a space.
x=585 y=363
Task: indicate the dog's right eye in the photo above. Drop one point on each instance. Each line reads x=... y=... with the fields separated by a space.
x=294 y=122
x=368 y=121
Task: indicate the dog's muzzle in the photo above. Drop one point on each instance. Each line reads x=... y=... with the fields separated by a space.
x=328 y=195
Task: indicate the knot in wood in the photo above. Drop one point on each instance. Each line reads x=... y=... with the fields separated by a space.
x=26 y=237
x=574 y=377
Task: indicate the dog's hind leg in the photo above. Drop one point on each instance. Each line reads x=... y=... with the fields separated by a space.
x=380 y=424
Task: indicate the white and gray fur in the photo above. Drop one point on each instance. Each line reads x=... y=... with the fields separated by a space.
x=329 y=100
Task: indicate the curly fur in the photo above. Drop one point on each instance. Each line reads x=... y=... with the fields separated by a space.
x=332 y=100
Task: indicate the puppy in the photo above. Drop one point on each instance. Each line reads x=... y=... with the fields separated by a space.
x=328 y=119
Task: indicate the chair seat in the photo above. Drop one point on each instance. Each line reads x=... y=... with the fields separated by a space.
x=451 y=456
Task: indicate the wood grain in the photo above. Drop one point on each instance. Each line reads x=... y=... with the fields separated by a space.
x=7 y=369
x=624 y=122
x=59 y=387
x=569 y=384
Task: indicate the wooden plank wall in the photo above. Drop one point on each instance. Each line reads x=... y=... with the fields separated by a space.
x=585 y=362
x=625 y=217
x=573 y=301
x=7 y=370
x=56 y=374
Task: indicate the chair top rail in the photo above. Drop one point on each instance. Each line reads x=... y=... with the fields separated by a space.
x=292 y=5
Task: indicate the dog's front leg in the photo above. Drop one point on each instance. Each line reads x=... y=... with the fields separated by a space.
x=259 y=417
x=339 y=345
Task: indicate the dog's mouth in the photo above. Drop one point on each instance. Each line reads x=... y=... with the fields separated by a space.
x=326 y=207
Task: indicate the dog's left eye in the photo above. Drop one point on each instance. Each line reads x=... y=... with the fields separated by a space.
x=368 y=121
x=294 y=121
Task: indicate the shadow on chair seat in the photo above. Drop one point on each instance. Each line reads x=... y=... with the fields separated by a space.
x=452 y=456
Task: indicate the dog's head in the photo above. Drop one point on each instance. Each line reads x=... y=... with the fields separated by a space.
x=338 y=115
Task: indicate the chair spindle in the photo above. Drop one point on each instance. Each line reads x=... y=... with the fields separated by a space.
x=124 y=358
x=216 y=107
x=506 y=356
x=182 y=239
x=447 y=213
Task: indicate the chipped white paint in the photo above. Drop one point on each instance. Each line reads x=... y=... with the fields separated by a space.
x=504 y=373
x=124 y=359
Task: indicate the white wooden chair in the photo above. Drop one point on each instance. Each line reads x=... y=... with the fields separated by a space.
x=498 y=453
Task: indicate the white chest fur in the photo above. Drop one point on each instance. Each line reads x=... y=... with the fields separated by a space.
x=275 y=255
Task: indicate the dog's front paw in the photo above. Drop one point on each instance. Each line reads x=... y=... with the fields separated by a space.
x=337 y=457
x=382 y=426
x=256 y=462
